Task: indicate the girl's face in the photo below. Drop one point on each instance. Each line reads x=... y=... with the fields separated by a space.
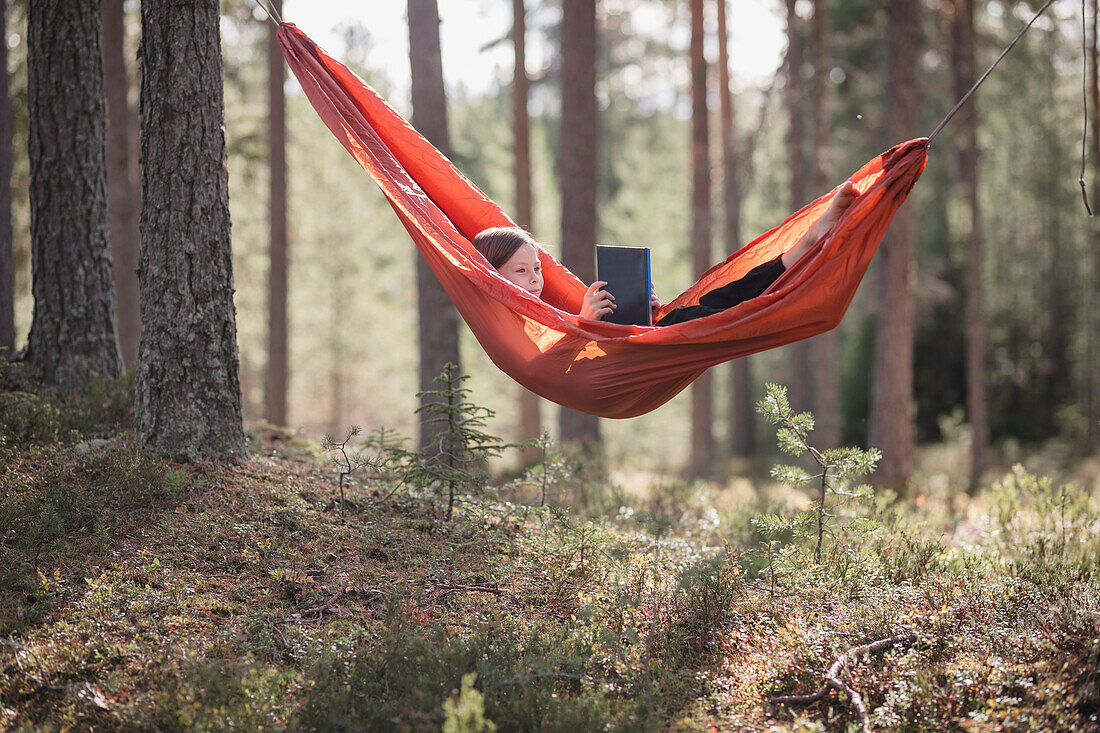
x=523 y=269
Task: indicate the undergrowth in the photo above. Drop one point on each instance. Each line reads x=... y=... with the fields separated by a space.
x=137 y=594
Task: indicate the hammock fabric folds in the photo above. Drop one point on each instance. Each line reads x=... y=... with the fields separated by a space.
x=601 y=368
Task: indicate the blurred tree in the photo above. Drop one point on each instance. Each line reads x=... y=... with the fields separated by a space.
x=963 y=40
x=579 y=156
x=702 y=390
x=72 y=335
x=188 y=399
x=742 y=425
x=438 y=323
x=530 y=427
x=1091 y=368
x=124 y=194
x=892 y=408
x=7 y=246
x=823 y=349
x=801 y=377
x=277 y=205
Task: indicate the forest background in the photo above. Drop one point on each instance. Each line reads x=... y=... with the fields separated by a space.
x=352 y=283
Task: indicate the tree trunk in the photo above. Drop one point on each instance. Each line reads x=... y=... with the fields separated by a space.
x=188 y=396
x=826 y=387
x=277 y=204
x=1092 y=252
x=124 y=201
x=801 y=378
x=892 y=409
x=72 y=335
x=7 y=245
x=530 y=426
x=702 y=392
x=338 y=351
x=963 y=41
x=438 y=319
x=579 y=149
x=742 y=423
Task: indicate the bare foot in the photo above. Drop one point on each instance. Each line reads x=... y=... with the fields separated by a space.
x=844 y=197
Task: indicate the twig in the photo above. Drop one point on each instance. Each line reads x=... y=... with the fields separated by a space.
x=476 y=589
x=43 y=680
x=327 y=605
x=832 y=678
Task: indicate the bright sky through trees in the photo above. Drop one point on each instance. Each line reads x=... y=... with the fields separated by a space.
x=467 y=26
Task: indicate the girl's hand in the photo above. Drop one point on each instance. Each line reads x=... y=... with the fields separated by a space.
x=597 y=302
x=654 y=303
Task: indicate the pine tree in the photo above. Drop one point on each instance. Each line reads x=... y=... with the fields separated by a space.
x=742 y=426
x=188 y=397
x=529 y=404
x=124 y=197
x=892 y=427
x=72 y=335
x=7 y=255
x=277 y=203
x=579 y=151
x=438 y=318
x=702 y=391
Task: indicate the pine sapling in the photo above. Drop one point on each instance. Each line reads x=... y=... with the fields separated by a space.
x=457 y=461
x=837 y=466
x=346 y=459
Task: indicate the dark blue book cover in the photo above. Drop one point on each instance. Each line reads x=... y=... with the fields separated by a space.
x=626 y=272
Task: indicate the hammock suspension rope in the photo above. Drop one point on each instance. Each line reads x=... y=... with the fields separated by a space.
x=989 y=71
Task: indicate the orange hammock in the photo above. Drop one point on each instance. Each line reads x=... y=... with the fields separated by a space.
x=601 y=368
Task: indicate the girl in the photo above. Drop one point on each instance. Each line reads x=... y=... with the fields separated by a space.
x=515 y=255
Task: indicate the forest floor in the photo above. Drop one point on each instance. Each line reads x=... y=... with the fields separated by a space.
x=140 y=594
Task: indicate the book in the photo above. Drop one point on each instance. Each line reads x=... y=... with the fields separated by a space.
x=626 y=272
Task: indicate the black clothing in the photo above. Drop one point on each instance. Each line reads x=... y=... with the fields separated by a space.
x=755 y=282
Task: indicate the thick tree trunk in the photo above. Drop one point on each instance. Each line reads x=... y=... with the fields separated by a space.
x=188 y=401
x=72 y=335
x=823 y=349
x=801 y=378
x=124 y=198
x=438 y=319
x=963 y=40
x=892 y=410
x=702 y=391
x=277 y=204
x=530 y=426
x=7 y=257
x=579 y=149
x=742 y=423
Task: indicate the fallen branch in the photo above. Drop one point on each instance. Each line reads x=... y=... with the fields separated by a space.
x=475 y=589
x=43 y=680
x=832 y=678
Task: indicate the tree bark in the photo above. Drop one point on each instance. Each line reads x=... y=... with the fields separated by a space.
x=438 y=319
x=188 y=397
x=7 y=245
x=801 y=387
x=963 y=41
x=72 y=335
x=124 y=199
x=579 y=150
x=702 y=416
x=742 y=423
x=530 y=426
x=823 y=349
x=1092 y=319
x=277 y=204
x=892 y=409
